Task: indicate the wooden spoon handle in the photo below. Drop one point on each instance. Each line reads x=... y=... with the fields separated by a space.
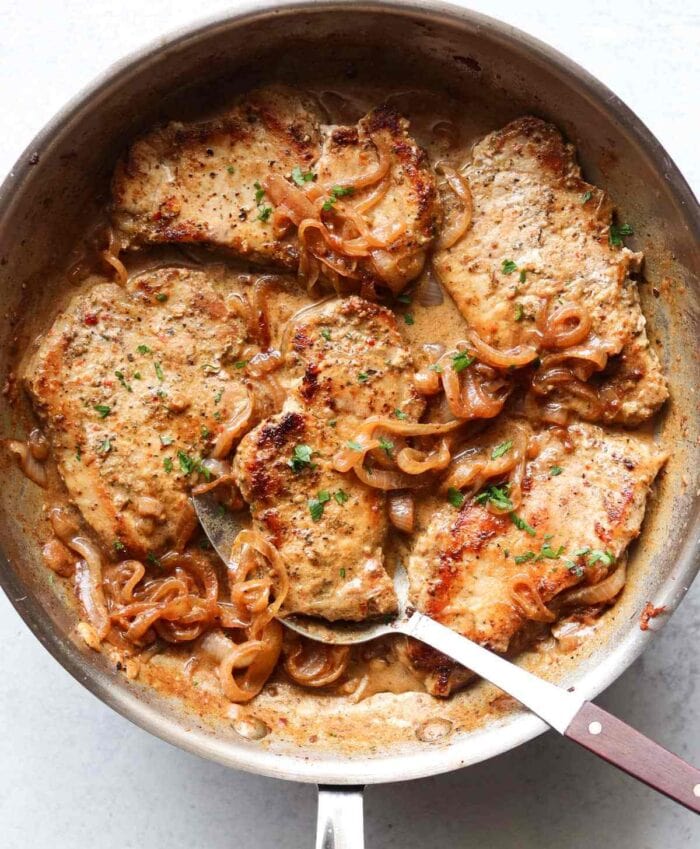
x=614 y=741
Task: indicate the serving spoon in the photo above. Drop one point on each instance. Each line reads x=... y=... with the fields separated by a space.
x=568 y=713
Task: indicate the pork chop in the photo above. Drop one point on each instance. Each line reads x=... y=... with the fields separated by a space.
x=348 y=361
x=134 y=388
x=329 y=528
x=487 y=575
x=541 y=234
x=214 y=182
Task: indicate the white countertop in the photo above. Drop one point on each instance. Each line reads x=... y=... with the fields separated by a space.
x=74 y=774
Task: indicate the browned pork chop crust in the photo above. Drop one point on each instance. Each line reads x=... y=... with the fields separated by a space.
x=135 y=387
x=478 y=572
x=205 y=183
x=329 y=528
x=540 y=234
x=348 y=361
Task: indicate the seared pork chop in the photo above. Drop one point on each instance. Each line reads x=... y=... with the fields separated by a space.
x=218 y=183
x=329 y=528
x=348 y=361
x=487 y=575
x=134 y=387
x=541 y=235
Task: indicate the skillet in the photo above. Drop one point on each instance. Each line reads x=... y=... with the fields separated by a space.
x=43 y=205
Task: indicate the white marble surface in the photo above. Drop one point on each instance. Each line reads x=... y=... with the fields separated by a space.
x=74 y=774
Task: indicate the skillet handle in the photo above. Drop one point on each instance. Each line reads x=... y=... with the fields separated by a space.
x=613 y=740
x=340 y=818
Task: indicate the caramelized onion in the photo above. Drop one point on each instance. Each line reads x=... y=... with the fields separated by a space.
x=568 y=324
x=457 y=227
x=528 y=601
x=402 y=511
x=238 y=423
x=510 y=358
x=314 y=664
x=604 y=591
x=31 y=467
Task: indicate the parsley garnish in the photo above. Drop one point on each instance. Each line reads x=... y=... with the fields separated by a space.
x=152 y=559
x=240 y=364
x=167 y=440
x=363 y=377
x=461 y=360
x=119 y=545
x=404 y=298
x=455 y=497
x=522 y=277
x=301 y=177
x=617 y=231
x=162 y=297
x=522 y=525
x=400 y=415
x=316 y=504
x=137 y=375
x=519 y=312
x=586 y=197
x=501 y=449
x=301 y=458
x=259 y=192
x=120 y=377
x=508 y=266
x=230 y=169
x=103 y=410
x=496 y=495
x=555 y=470
x=550 y=553
x=187 y=464
x=354 y=445
x=78 y=454
x=159 y=371
x=603 y=556
x=143 y=349
x=325 y=332
x=342 y=572
x=167 y=464
x=341 y=496
x=105 y=446
x=408 y=318
x=523 y=558
x=436 y=367
x=218 y=395
x=336 y=192
x=205 y=432
x=265 y=213
x=386 y=445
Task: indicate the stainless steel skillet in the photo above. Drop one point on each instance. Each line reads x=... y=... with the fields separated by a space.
x=40 y=210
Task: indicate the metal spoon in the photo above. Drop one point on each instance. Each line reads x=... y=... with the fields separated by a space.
x=566 y=712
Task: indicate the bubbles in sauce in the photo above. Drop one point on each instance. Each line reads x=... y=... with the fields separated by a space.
x=433 y=730
x=251 y=728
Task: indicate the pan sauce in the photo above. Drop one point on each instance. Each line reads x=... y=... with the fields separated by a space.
x=195 y=682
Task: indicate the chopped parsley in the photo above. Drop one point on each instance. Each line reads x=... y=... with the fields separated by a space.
x=408 y=318
x=301 y=458
x=363 y=377
x=230 y=169
x=325 y=332
x=508 y=266
x=78 y=454
x=205 y=432
x=218 y=395
x=187 y=464
x=137 y=375
x=332 y=422
x=162 y=297
x=167 y=440
x=167 y=464
x=355 y=446
x=617 y=231
x=265 y=213
x=152 y=559
x=551 y=553
x=603 y=557
x=554 y=471
x=336 y=192
x=105 y=446
x=341 y=496
x=519 y=312
x=436 y=367
x=501 y=449
x=586 y=197
x=240 y=364
x=159 y=371
x=316 y=505
x=120 y=377
x=496 y=495
x=302 y=177
x=119 y=545
x=522 y=525
x=404 y=298
x=259 y=192
x=523 y=558
x=210 y=368
x=522 y=277
x=400 y=415
x=103 y=410
x=143 y=349
x=455 y=497
x=342 y=572
x=461 y=360
x=386 y=445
